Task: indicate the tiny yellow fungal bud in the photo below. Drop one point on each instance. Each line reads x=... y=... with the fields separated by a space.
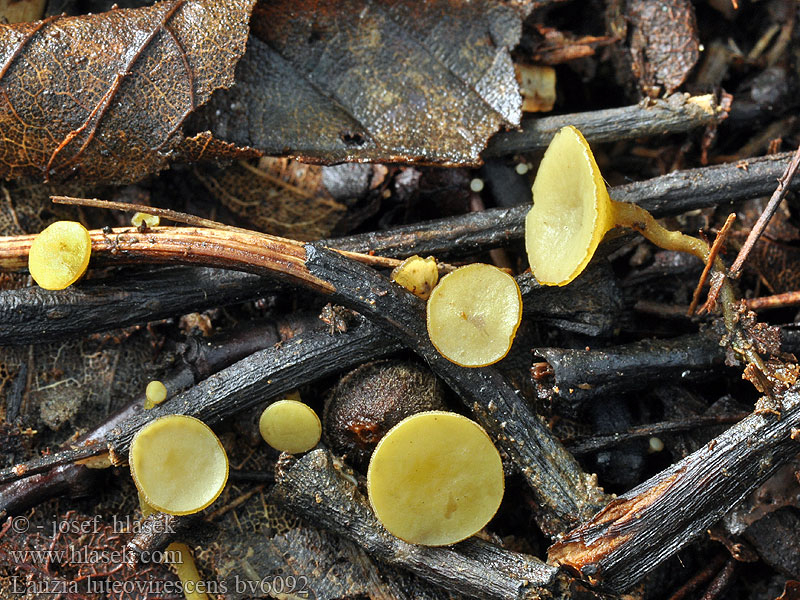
x=435 y=479
x=155 y=393
x=59 y=255
x=418 y=275
x=178 y=464
x=290 y=426
x=473 y=315
x=149 y=220
x=656 y=445
x=476 y=185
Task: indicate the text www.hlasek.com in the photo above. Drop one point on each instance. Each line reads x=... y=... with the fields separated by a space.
x=90 y=556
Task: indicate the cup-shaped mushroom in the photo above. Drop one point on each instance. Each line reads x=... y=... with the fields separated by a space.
x=435 y=479
x=59 y=255
x=473 y=315
x=290 y=426
x=571 y=210
x=178 y=464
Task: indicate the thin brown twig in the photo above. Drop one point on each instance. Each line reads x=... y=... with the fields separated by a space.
x=712 y=255
x=721 y=581
x=776 y=301
x=195 y=221
x=769 y=210
x=700 y=578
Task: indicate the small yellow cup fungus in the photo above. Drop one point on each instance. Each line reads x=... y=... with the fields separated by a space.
x=155 y=393
x=59 y=255
x=148 y=220
x=178 y=464
x=290 y=426
x=473 y=315
x=572 y=211
x=418 y=275
x=435 y=479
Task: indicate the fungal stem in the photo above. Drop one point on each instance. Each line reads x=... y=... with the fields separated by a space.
x=637 y=218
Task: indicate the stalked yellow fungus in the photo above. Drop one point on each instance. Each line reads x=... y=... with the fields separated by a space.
x=155 y=393
x=178 y=464
x=59 y=255
x=435 y=479
x=290 y=426
x=473 y=315
x=418 y=275
x=139 y=218
x=572 y=211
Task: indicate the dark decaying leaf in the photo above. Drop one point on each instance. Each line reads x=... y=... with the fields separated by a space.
x=663 y=43
x=383 y=80
x=104 y=96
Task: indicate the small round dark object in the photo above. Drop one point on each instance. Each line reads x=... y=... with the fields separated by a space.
x=372 y=399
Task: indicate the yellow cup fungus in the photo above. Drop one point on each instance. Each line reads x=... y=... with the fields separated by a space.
x=572 y=211
x=178 y=464
x=473 y=315
x=155 y=393
x=418 y=275
x=140 y=219
x=290 y=426
x=59 y=255
x=435 y=479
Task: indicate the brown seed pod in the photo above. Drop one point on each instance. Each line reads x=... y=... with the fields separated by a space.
x=372 y=399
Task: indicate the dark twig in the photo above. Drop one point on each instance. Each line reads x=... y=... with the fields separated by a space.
x=663 y=196
x=33 y=315
x=474 y=567
x=675 y=114
x=769 y=210
x=603 y=442
x=645 y=526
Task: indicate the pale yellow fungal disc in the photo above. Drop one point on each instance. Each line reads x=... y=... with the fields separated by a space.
x=571 y=210
x=155 y=393
x=418 y=275
x=473 y=315
x=59 y=255
x=435 y=479
x=178 y=464
x=290 y=426
x=149 y=220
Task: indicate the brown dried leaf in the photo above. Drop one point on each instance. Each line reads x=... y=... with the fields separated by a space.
x=664 y=43
x=104 y=96
x=384 y=81
x=279 y=196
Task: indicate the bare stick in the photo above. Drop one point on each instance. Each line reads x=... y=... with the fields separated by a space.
x=675 y=114
x=769 y=210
